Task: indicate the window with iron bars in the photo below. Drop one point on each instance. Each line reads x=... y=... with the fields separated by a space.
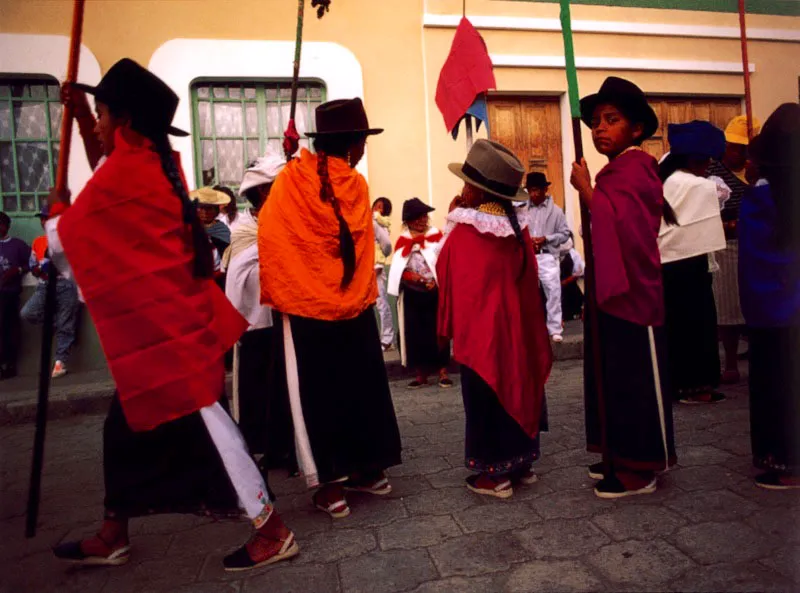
x=30 y=124
x=235 y=121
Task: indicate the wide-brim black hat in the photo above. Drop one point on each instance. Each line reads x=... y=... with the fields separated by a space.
x=342 y=116
x=537 y=179
x=414 y=208
x=132 y=88
x=778 y=144
x=493 y=168
x=628 y=98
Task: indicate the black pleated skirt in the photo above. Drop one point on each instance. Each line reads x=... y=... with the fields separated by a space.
x=174 y=468
x=345 y=397
x=775 y=398
x=423 y=352
x=691 y=326
x=636 y=440
x=495 y=444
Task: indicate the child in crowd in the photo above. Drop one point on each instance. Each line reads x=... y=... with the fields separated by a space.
x=412 y=278
x=769 y=284
x=14 y=259
x=66 y=302
x=627 y=204
x=381 y=211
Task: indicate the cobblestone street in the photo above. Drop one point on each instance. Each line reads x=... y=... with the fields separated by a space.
x=707 y=528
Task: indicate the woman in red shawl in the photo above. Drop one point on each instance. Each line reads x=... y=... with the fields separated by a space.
x=490 y=306
x=143 y=263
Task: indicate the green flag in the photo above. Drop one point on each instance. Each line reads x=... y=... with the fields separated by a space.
x=569 y=56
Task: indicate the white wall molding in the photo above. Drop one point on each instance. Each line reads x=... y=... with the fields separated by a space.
x=180 y=61
x=629 y=64
x=507 y=23
x=48 y=54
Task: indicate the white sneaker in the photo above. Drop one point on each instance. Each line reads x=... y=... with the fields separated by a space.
x=59 y=369
x=558 y=338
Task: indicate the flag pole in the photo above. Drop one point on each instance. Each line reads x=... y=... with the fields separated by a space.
x=34 y=489
x=748 y=102
x=591 y=300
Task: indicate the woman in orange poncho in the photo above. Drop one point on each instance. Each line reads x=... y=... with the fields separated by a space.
x=316 y=251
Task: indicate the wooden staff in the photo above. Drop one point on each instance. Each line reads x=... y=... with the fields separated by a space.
x=591 y=295
x=50 y=291
x=748 y=100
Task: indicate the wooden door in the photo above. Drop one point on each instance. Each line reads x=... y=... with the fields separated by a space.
x=531 y=128
x=679 y=110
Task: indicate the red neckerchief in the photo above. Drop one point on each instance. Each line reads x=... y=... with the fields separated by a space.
x=407 y=243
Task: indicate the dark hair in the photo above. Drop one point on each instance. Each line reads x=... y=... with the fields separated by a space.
x=387 y=205
x=5 y=218
x=337 y=145
x=228 y=192
x=253 y=195
x=512 y=218
x=203 y=257
x=784 y=184
x=666 y=168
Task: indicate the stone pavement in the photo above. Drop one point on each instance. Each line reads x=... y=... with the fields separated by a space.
x=706 y=529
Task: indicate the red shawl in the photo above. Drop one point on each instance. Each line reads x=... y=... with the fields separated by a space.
x=627 y=207
x=496 y=322
x=164 y=332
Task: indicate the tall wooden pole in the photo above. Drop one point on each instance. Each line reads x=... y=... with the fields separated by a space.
x=34 y=489
x=748 y=101
x=590 y=318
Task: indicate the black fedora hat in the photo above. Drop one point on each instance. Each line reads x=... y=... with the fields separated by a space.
x=778 y=144
x=343 y=116
x=536 y=179
x=628 y=98
x=132 y=88
x=414 y=208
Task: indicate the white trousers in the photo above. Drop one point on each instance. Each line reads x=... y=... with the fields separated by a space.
x=550 y=277
x=241 y=469
x=384 y=310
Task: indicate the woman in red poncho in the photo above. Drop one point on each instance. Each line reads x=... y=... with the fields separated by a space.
x=142 y=260
x=490 y=306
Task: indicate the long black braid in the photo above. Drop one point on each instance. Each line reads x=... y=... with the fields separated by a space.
x=511 y=213
x=203 y=257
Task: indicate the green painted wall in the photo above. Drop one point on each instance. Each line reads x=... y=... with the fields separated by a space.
x=776 y=7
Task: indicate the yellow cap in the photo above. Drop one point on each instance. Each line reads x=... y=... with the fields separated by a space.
x=736 y=132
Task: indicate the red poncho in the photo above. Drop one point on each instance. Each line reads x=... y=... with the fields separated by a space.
x=164 y=332
x=627 y=206
x=495 y=321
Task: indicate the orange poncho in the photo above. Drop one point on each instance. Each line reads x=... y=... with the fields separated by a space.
x=298 y=243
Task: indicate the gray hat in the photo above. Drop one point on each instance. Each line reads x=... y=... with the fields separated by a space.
x=494 y=169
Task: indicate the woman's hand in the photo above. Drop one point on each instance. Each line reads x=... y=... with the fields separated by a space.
x=581 y=180
x=76 y=99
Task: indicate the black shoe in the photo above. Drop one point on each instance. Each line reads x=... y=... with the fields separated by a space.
x=72 y=552
x=776 y=481
x=597 y=471
x=614 y=488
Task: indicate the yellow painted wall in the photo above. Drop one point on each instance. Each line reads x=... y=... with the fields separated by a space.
x=387 y=38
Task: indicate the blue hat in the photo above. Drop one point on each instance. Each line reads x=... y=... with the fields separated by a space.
x=696 y=138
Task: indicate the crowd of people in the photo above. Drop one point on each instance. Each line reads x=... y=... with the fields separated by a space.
x=306 y=271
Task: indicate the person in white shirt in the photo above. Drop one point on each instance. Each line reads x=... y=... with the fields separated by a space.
x=243 y=289
x=548 y=228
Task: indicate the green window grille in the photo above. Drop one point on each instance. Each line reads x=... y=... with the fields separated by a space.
x=235 y=121
x=30 y=124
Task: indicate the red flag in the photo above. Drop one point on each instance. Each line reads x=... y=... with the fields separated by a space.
x=466 y=73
